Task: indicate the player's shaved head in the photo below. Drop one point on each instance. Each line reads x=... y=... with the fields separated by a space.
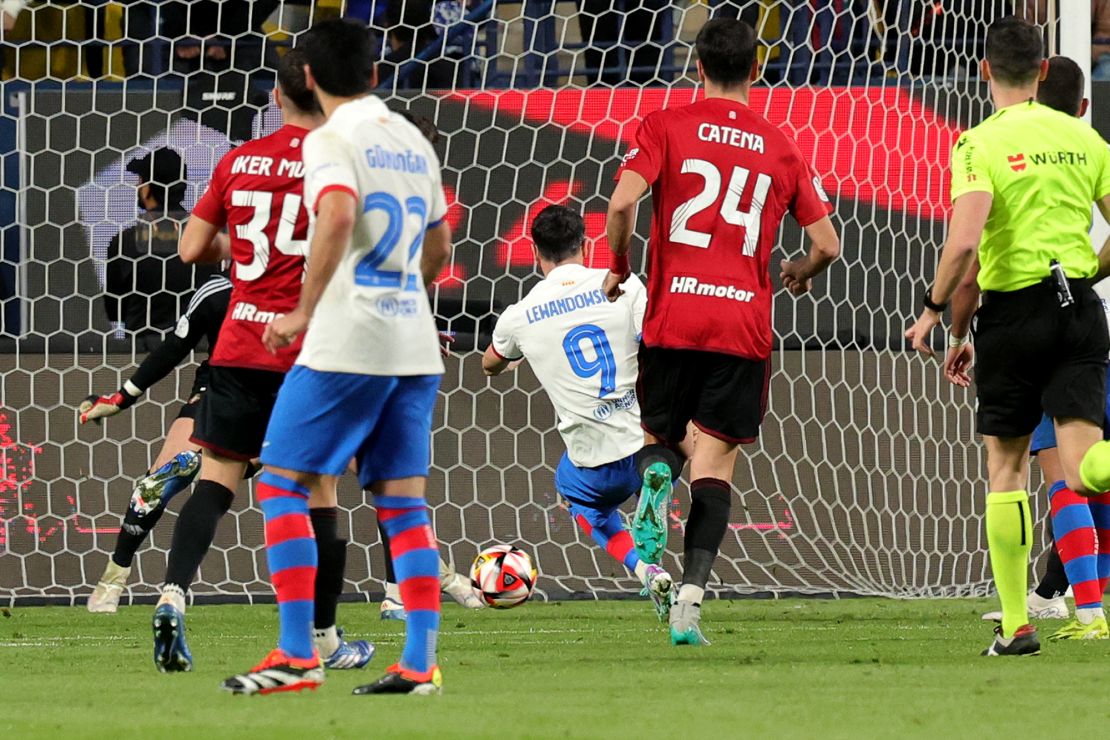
x=1015 y=51
x=291 y=82
x=340 y=55
x=558 y=233
x=1062 y=89
x=726 y=50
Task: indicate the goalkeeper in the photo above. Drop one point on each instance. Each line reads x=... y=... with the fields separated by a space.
x=178 y=462
x=1023 y=182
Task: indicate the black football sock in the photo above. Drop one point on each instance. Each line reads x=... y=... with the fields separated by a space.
x=653 y=453
x=195 y=530
x=132 y=535
x=331 y=553
x=1055 y=581
x=390 y=576
x=711 y=499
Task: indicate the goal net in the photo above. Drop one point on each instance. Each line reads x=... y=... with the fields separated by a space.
x=867 y=478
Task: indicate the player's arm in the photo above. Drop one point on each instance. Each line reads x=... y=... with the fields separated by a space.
x=824 y=247
x=503 y=352
x=203 y=242
x=969 y=217
x=620 y=224
x=961 y=353
x=1104 y=253
x=436 y=251
x=161 y=361
x=335 y=222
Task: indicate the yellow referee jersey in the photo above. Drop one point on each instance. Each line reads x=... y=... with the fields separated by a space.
x=1044 y=169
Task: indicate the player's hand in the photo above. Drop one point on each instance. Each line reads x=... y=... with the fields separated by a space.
x=95 y=408
x=794 y=278
x=918 y=334
x=957 y=364
x=445 y=339
x=612 y=285
x=284 y=330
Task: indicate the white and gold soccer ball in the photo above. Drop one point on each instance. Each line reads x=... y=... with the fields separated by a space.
x=503 y=576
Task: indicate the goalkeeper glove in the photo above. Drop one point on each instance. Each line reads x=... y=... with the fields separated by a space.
x=95 y=408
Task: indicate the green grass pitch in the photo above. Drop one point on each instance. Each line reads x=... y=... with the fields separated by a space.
x=857 y=668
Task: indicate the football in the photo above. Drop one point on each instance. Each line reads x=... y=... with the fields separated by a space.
x=503 y=576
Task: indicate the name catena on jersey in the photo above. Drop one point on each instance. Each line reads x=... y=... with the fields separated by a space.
x=583 y=351
x=374 y=317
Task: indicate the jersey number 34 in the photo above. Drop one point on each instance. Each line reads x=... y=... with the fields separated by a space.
x=254 y=231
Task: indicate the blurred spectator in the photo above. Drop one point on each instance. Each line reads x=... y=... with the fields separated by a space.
x=9 y=12
x=1036 y=11
x=216 y=34
x=146 y=283
x=607 y=26
x=410 y=27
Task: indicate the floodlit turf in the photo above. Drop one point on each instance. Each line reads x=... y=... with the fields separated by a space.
x=796 y=668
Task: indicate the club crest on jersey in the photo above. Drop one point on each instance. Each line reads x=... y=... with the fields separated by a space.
x=390 y=307
x=630 y=156
x=687 y=285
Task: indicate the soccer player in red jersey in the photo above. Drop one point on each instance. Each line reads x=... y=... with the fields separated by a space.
x=256 y=191
x=722 y=177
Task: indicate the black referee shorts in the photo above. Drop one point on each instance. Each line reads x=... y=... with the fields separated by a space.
x=1034 y=356
x=724 y=395
x=234 y=412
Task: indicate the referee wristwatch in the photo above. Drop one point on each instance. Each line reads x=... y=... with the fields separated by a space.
x=927 y=301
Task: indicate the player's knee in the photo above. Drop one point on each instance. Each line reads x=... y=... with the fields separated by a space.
x=653 y=453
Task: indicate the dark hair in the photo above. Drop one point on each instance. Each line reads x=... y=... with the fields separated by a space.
x=558 y=233
x=290 y=78
x=1015 y=50
x=726 y=49
x=1062 y=89
x=426 y=125
x=340 y=54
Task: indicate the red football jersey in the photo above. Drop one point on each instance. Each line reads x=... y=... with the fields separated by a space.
x=257 y=190
x=722 y=178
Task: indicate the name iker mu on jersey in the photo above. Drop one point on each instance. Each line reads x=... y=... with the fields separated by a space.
x=692 y=286
x=253 y=164
x=561 y=306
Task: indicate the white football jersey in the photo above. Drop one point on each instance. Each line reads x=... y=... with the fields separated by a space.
x=583 y=350
x=374 y=317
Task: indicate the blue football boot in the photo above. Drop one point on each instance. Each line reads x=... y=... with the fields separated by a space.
x=171 y=654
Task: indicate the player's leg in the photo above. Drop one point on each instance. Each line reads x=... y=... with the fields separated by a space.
x=391 y=607
x=331 y=557
x=192 y=536
x=1047 y=600
x=174 y=469
x=393 y=465
x=1010 y=540
x=668 y=390
x=291 y=555
x=1076 y=534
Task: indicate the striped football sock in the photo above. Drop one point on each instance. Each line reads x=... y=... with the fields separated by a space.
x=612 y=537
x=1074 y=526
x=291 y=554
x=416 y=565
x=1100 y=514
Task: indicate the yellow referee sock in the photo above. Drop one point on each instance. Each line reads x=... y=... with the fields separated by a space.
x=1010 y=538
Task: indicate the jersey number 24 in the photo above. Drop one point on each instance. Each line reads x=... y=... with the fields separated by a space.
x=750 y=219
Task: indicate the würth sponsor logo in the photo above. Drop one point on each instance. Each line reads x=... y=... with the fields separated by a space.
x=250 y=312
x=1017 y=162
x=693 y=286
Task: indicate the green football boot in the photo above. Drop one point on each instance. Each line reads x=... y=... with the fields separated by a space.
x=649 y=523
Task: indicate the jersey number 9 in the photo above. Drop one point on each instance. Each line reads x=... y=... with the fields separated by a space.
x=602 y=362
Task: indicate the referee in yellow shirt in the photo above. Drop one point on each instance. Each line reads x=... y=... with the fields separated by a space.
x=1023 y=182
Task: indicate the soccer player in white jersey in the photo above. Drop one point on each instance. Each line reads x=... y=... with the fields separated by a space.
x=583 y=350
x=365 y=382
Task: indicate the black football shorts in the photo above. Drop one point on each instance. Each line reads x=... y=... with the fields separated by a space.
x=724 y=395
x=1032 y=355
x=233 y=413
